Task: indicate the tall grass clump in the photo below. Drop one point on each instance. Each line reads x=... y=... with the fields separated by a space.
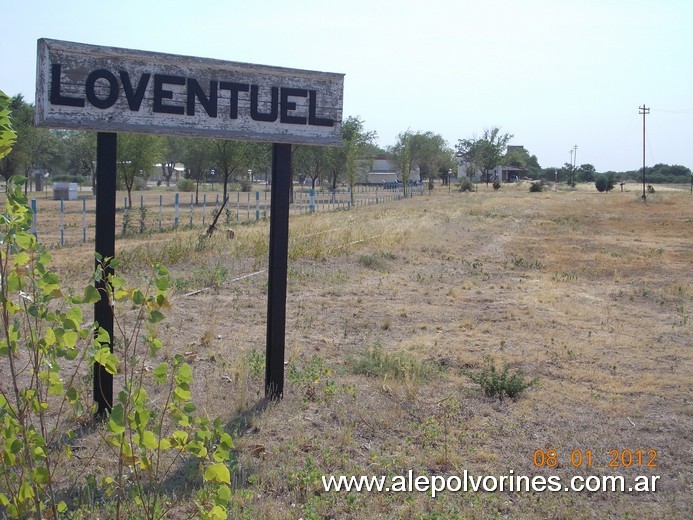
x=500 y=383
x=375 y=362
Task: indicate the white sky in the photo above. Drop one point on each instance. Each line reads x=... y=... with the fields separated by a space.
x=555 y=73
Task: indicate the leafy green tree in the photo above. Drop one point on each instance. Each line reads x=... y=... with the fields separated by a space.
x=484 y=154
x=357 y=140
x=7 y=135
x=260 y=158
x=566 y=172
x=345 y=162
x=664 y=173
x=197 y=156
x=18 y=160
x=312 y=161
x=173 y=151
x=136 y=155
x=604 y=183
x=230 y=158
x=425 y=151
x=519 y=157
x=586 y=173
x=431 y=154
x=401 y=154
x=80 y=153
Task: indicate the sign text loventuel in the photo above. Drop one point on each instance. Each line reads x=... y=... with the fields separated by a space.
x=112 y=89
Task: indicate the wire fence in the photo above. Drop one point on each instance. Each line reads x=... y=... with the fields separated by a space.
x=70 y=222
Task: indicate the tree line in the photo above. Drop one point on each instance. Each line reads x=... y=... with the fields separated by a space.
x=69 y=154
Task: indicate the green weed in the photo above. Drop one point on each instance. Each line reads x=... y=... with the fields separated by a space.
x=500 y=383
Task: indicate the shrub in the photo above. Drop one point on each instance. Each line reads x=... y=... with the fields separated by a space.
x=604 y=183
x=397 y=365
x=466 y=185
x=496 y=185
x=537 y=186
x=48 y=348
x=186 y=185
x=500 y=383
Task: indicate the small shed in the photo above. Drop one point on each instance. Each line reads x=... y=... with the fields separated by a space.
x=65 y=191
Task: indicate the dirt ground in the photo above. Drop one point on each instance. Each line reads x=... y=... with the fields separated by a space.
x=590 y=294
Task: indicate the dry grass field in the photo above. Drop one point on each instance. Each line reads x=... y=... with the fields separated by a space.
x=391 y=308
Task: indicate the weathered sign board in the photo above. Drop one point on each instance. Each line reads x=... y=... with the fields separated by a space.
x=109 y=89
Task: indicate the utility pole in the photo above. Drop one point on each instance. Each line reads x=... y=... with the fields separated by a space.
x=644 y=111
x=574 y=161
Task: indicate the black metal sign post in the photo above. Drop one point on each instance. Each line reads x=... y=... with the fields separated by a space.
x=276 y=286
x=106 y=146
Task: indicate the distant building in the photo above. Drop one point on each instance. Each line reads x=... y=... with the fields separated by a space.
x=383 y=170
x=501 y=172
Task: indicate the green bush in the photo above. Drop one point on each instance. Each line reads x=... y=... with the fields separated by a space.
x=500 y=383
x=604 y=183
x=396 y=365
x=245 y=185
x=466 y=185
x=43 y=327
x=537 y=186
x=186 y=185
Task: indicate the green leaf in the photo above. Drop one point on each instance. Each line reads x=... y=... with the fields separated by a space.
x=26 y=492
x=62 y=506
x=218 y=473
x=49 y=338
x=41 y=475
x=75 y=315
x=116 y=420
x=137 y=297
x=197 y=449
x=91 y=295
x=102 y=336
x=116 y=281
x=106 y=359
x=149 y=440
x=155 y=317
x=182 y=393
x=55 y=384
x=70 y=338
x=162 y=284
x=217 y=513
x=226 y=440
x=223 y=495
x=160 y=373
x=25 y=240
x=21 y=258
x=16 y=446
x=184 y=374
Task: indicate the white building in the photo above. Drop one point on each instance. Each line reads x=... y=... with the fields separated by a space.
x=383 y=170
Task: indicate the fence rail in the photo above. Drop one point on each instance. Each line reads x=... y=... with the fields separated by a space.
x=69 y=222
